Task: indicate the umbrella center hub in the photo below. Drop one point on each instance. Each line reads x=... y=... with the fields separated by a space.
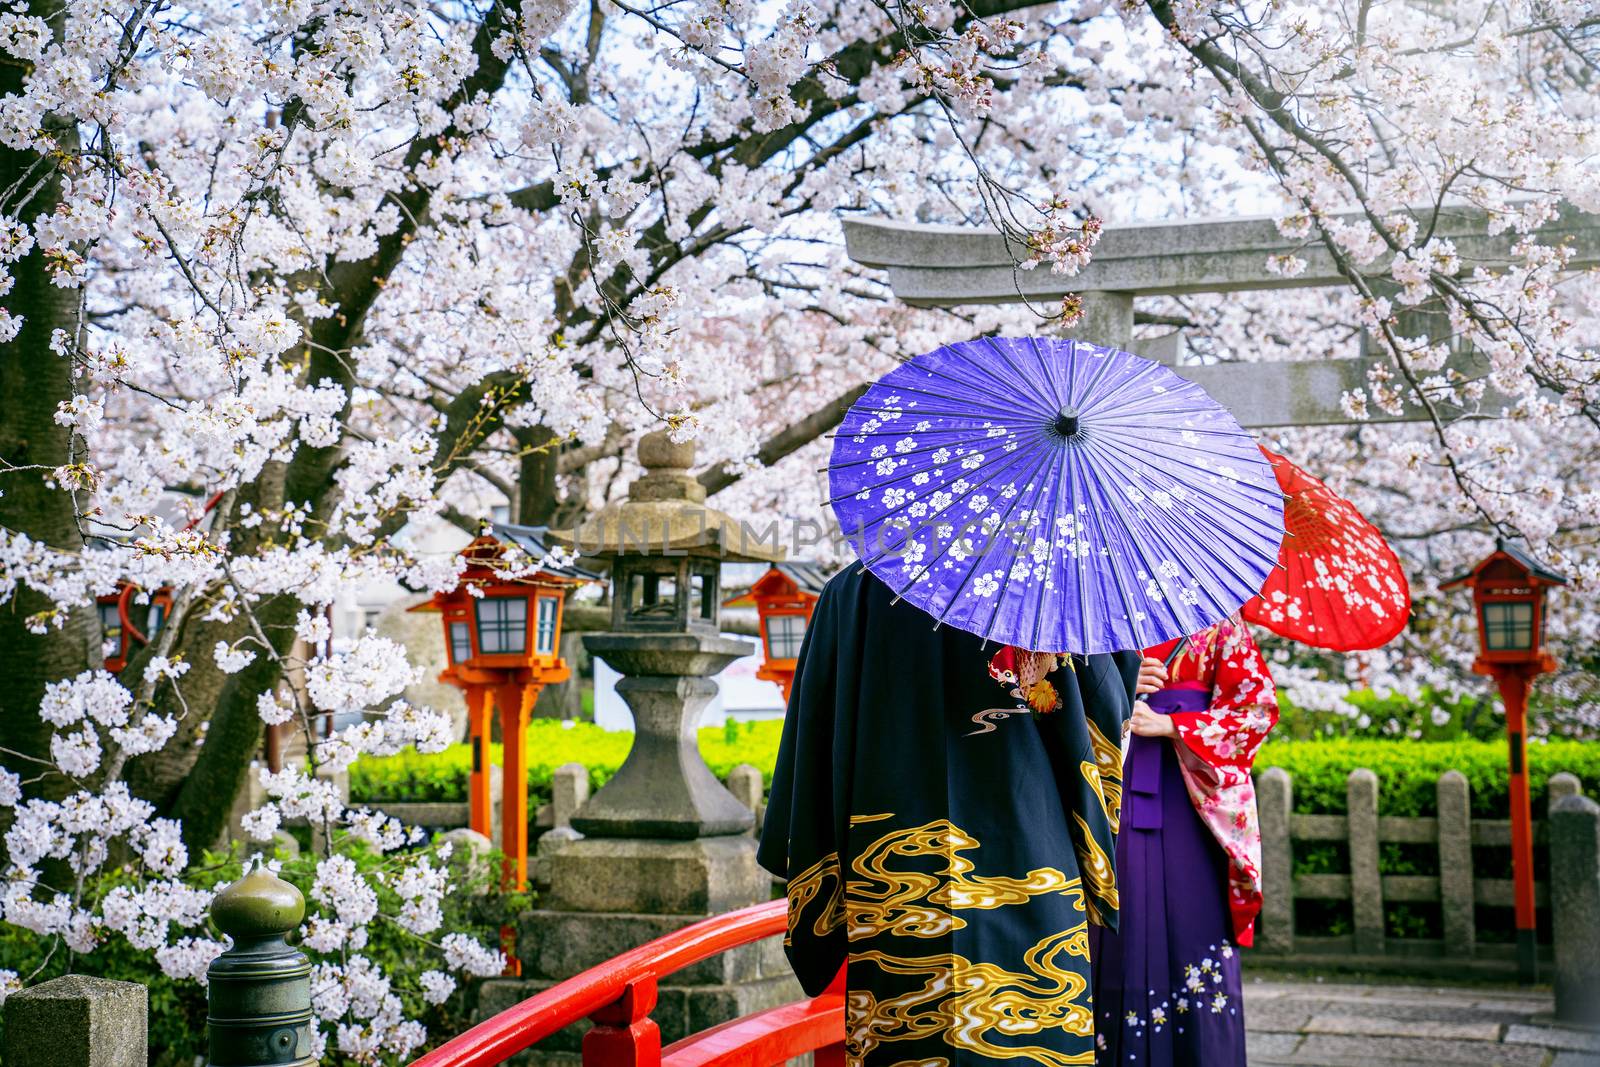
x=1066 y=424
x=1309 y=527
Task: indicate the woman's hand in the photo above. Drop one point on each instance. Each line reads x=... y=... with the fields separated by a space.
x=1147 y=723
x=1152 y=676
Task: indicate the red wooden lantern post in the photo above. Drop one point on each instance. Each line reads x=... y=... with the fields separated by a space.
x=784 y=599
x=502 y=635
x=121 y=633
x=1508 y=595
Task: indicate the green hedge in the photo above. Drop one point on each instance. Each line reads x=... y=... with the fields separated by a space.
x=443 y=776
x=1407 y=771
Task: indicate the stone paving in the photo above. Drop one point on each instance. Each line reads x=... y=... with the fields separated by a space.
x=1309 y=1023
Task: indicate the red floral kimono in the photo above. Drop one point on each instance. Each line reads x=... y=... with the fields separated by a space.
x=1219 y=746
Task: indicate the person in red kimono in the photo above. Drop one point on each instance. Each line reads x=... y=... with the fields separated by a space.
x=1167 y=989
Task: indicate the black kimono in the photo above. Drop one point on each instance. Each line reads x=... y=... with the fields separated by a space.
x=942 y=837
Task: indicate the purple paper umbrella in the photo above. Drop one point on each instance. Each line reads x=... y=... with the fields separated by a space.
x=1055 y=495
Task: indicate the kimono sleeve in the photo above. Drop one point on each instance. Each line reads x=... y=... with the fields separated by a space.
x=1084 y=740
x=1244 y=703
x=808 y=806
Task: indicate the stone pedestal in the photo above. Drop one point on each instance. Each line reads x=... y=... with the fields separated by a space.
x=608 y=895
x=664 y=788
x=663 y=845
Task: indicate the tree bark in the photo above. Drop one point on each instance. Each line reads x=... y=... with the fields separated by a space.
x=234 y=736
x=33 y=381
x=536 y=481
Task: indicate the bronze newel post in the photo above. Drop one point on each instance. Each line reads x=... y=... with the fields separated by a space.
x=259 y=1001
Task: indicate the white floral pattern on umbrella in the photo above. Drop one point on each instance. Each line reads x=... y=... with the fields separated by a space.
x=1340 y=586
x=1055 y=495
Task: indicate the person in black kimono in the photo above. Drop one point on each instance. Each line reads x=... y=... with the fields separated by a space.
x=944 y=817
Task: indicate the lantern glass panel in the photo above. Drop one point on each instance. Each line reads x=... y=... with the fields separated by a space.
x=544 y=636
x=653 y=596
x=110 y=631
x=1507 y=625
x=784 y=634
x=110 y=622
x=460 y=642
x=502 y=625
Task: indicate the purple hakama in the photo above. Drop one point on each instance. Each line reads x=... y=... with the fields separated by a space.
x=1167 y=989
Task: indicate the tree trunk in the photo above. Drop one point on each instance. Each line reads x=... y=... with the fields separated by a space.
x=536 y=481
x=206 y=795
x=33 y=381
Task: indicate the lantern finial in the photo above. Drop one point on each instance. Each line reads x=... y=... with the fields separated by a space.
x=666 y=466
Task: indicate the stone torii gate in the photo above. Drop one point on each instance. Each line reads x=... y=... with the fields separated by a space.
x=948 y=266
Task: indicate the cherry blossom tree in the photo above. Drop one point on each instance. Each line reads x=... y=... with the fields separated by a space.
x=1406 y=115
x=327 y=269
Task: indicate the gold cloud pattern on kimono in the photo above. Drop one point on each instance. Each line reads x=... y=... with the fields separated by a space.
x=808 y=887
x=922 y=904
x=1097 y=870
x=967 y=1004
x=1104 y=775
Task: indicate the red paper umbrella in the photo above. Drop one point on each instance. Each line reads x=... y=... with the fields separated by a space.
x=1339 y=585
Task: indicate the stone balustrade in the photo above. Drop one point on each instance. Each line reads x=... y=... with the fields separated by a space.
x=1456 y=888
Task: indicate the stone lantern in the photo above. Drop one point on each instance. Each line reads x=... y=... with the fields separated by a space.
x=663 y=843
x=666 y=548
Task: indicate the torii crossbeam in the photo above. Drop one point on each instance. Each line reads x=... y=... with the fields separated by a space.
x=949 y=266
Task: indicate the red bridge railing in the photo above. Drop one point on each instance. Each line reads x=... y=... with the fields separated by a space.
x=619 y=995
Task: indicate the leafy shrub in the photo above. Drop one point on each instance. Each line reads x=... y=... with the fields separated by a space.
x=551 y=743
x=1408 y=770
x=177 y=1012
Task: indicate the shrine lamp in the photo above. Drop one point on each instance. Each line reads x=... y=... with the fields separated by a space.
x=119 y=633
x=1508 y=595
x=666 y=546
x=497 y=621
x=502 y=638
x=784 y=599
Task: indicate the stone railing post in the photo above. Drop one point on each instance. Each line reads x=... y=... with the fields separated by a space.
x=1575 y=907
x=569 y=791
x=77 y=1021
x=1366 y=884
x=1457 y=895
x=1275 y=800
x=259 y=991
x=1562 y=785
x=746 y=783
